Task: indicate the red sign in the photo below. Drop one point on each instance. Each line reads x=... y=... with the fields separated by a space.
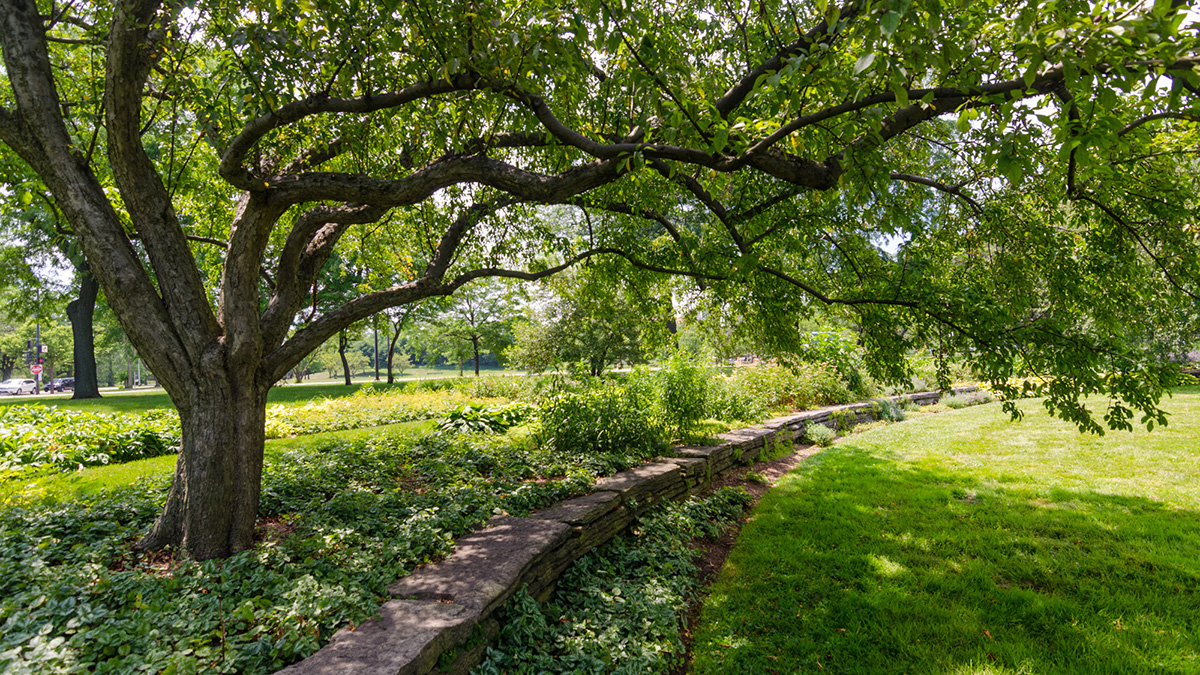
x=36 y=369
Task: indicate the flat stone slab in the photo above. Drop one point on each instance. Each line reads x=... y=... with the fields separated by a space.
x=406 y=639
x=641 y=479
x=746 y=438
x=703 y=451
x=485 y=566
x=580 y=510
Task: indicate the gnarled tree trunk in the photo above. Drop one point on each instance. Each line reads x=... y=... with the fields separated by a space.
x=213 y=502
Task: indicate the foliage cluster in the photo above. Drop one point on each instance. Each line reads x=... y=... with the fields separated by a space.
x=38 y=439
x=485 y=418
x=341 y=521
x=606 y=421
x=618 y=609
x=800 y=387
x=819 y=434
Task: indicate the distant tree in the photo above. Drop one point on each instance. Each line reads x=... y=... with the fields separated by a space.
x=584 y=315
x=478 y=319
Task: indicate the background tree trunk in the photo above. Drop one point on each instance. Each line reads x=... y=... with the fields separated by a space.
x=392 y=355
x=343 y=342
x=475 y=344
x=81 y=311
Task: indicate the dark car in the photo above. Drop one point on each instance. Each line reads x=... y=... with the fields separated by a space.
x=61 y=384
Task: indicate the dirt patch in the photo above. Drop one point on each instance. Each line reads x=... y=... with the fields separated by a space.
x=274 y=529
x=714 y=552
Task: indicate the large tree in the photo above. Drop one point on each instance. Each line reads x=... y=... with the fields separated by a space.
x=1024 y=153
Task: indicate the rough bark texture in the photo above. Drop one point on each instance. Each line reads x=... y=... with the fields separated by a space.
x=81 y=312
x=213 y=503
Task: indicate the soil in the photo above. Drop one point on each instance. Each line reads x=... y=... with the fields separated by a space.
x=713 y=552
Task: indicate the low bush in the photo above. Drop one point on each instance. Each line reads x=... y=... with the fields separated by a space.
x=805 y=386
x=37 y=439
x=819 y=435
x=730 y=401
x=888 y=411
x=681 y=387
x=605 y=425
x=620 y=607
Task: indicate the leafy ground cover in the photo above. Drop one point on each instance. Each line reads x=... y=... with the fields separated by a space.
x=960 y=542
x=618 y=609
x=340 y=520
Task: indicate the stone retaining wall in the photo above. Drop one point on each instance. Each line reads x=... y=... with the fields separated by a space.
x=440 y=617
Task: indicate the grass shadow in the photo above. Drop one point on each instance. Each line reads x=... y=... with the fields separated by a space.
x=863 y=564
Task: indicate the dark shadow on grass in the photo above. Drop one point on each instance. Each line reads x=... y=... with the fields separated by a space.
x=863 y=565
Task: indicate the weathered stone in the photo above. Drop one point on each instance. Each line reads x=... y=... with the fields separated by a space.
x=695 y=470
x=406 y=639
x=642 y=481
x=485 y=566
x=745 y=438
x=580 y=510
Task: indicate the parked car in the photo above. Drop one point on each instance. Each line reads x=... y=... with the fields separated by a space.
x=61 y=384
x=16 y=387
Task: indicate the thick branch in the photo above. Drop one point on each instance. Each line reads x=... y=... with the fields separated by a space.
x=233 y=160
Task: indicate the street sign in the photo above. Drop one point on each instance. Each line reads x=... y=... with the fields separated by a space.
x=36 y=369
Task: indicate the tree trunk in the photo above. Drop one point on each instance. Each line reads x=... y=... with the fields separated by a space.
x=343 y=342
x=80 y=311
x=392 y=355
x=212 y=506
x=475 y=344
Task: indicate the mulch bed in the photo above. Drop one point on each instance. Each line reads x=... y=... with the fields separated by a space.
x=713 y=552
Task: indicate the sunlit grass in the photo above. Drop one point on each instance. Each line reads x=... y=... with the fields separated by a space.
x=962 y=542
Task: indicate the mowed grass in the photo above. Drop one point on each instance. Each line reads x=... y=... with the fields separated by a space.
x=961 y=542
x=90 y=480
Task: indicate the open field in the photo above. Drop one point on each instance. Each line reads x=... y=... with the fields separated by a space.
x=961 y=542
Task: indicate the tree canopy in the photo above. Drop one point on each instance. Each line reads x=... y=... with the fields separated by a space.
x=1014 y=179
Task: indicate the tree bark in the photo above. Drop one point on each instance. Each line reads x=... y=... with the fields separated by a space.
x=343 y=342
x=392 y=355
x=80 y=311
x=212 y=506
x=475 y=345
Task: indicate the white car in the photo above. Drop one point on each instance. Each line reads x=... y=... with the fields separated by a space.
x=16 y=387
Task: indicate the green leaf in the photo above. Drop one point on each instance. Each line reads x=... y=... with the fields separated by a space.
x=864 y=62
x=890 y=22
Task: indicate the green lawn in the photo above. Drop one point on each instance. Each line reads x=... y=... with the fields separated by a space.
x=961 y=542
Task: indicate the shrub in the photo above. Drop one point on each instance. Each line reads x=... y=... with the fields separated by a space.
x=888 y=411
x=955 y=402
x=730 y=401
x=819 y=434
x=844 y=420
x=606 y=421
x=681 y=393
x=807 y=385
